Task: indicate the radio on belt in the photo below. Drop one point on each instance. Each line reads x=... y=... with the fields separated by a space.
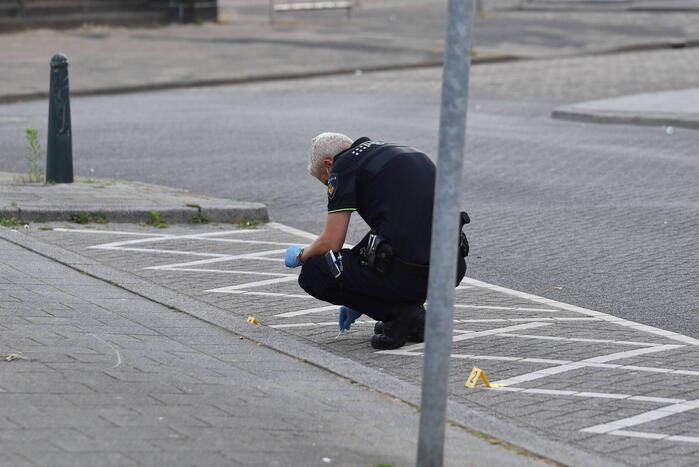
x=334 y=263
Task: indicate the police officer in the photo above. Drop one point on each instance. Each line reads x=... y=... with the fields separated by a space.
x=385 y=275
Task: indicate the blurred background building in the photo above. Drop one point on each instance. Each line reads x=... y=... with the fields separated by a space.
x=20 y=14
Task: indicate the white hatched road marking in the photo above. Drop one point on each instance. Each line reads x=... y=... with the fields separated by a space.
x=615 y=428
x=247 y=285
x=506 y=308
x=644 y=417
x=598 y=395
x=646 y=435
x=473 y=335
x=221 y=258
x=580 y=339
x=565 y=306
x=271 y=294
x=519 y=320
x=290 y=314
x=584 y=363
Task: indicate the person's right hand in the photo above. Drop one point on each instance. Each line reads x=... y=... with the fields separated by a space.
x=292 y=258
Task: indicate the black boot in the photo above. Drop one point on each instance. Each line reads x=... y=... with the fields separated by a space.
x=417 y=335
x=407 y=321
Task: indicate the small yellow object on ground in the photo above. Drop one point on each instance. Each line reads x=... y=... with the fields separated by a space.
x=253 y=320
x=478 y=374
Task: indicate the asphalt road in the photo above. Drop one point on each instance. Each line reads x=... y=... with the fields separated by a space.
x=605 y=217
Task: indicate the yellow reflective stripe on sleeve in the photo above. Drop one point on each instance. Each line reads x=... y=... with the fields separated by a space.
x=344 y=209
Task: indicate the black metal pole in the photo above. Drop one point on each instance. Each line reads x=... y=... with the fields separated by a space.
x=59 y=150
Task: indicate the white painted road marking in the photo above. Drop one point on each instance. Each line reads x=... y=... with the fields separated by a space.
x=248 y=285
x=473 y=335
x=583 y=364
x=564 y=306
x=580 y=339
x=308 y=311
x=581 y=316
x=506 y=308
x=644 y=417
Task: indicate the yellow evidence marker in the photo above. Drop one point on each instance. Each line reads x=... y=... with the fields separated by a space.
x=478 y=374
x=253 y=320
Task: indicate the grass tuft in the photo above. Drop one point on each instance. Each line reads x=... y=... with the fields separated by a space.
x=9 y=222
x=156 y=221
x=88 y=217
x=199 y=217
x=35 y=171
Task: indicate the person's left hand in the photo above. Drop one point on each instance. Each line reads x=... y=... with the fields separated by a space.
x=347 y=317
x=292 y=258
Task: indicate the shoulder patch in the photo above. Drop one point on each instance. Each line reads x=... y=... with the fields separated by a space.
x=332 y=186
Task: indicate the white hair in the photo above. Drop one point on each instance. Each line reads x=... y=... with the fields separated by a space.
x=325 y=146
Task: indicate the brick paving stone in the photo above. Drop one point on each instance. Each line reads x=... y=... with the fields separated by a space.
x=557 y=415
x=115 y=379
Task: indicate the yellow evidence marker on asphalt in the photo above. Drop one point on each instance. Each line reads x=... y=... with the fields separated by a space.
x=253 y=320
x=478 y=374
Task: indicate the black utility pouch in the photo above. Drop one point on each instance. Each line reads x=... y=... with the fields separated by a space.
x=377 y=254
x=463 y=241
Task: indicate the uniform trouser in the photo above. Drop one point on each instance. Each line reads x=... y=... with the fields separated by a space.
x=367 y=291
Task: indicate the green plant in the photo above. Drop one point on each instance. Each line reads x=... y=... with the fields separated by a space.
x=86 y=218
x=13 y=204
x=45 y=227
x=9 y=222
x=247 y=223
x=156 y=221
x=36 y=172
x=198 y=218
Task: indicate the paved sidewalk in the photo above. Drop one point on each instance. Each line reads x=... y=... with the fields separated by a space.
x=669 y=108
x=580 y=387
x=106 y=377
x=385 y=34
x=116 y=201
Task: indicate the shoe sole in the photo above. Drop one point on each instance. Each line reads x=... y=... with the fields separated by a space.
x=378 y=330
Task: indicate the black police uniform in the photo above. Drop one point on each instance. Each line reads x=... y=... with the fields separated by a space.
x=392 y=188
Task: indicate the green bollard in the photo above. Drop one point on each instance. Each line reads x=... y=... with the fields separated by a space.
x=59 y=150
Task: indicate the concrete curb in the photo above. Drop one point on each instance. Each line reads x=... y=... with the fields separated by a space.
x=106 y=200
x=629 y=118
x=186 y=84
x=471 y=419
x=11 y=98
x=136 y=214
x=581 y=6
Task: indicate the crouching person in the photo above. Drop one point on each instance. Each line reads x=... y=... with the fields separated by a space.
x=385 y=275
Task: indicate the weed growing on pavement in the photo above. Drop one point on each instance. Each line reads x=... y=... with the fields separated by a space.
x=13 y=204
x=156 y=221
x=86 y=218
x=247 y=223
x=9 y=222
x=45 y=227
x=198 y=218
x=36 y=172
x=80 y=218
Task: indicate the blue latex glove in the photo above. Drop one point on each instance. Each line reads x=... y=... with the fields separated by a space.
x=347 y=317
x=291 y=258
